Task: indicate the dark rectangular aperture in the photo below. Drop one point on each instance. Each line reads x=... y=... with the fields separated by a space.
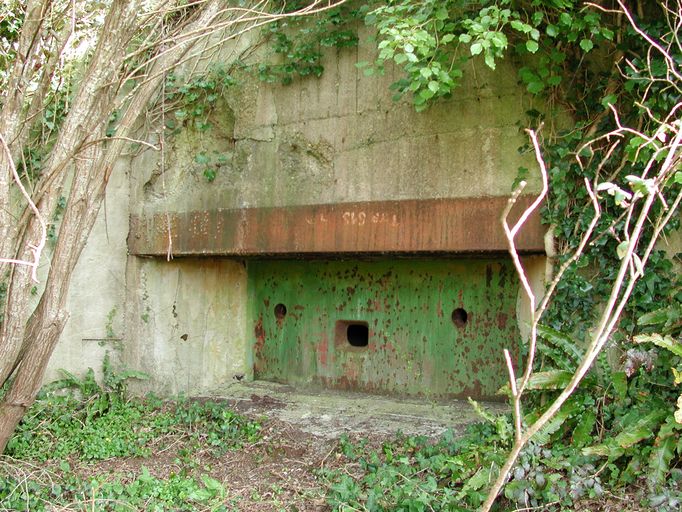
x=351 y=334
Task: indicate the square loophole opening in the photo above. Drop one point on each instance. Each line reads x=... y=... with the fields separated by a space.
x=351 y=334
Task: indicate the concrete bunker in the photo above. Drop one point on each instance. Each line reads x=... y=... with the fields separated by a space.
x=412 y=297
x=326 y=175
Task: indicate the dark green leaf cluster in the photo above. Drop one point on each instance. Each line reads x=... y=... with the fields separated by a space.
x=190 y=103
x=296 y=44
x=79 y=417
x=143 y=491
x=452 y=474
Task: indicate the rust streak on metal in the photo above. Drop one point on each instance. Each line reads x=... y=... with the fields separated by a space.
x=468 y=225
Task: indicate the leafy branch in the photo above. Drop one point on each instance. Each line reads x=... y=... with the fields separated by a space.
x=658 y=176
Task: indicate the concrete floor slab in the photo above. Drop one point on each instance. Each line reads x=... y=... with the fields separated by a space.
x=330 y=413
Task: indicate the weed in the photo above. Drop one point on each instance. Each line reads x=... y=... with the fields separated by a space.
x=81 y=420
x=78 y=416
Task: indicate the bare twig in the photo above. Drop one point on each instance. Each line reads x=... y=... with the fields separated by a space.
x=36 y=249
x=631 y=267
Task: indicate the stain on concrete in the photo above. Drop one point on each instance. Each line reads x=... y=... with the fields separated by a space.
x=329 y=414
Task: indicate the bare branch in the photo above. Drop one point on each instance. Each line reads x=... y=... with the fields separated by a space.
x=36 y=249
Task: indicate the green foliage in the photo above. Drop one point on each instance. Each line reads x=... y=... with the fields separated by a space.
x=623 y=415
x=415 y=474
x=11 y=21
x=191 y=103
x=79 y=417
x=78 y=421
x=433 y=40
x=142 y=491
x=297 y=43
x=210 y=162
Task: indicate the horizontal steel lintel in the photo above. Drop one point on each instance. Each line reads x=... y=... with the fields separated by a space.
x=428 y=226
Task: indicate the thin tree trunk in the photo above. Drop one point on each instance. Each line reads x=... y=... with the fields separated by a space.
x=88 y=113
x=87 y=192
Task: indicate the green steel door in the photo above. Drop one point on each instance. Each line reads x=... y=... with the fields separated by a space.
x=432 y=328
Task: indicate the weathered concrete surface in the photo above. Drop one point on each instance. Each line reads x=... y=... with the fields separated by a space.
x=428 y=226
x=188 y=320
x=96 y=300
x=336 y=140
x=342 y=139
x=329 y=414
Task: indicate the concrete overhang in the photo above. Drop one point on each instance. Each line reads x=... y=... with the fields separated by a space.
x=452 y=226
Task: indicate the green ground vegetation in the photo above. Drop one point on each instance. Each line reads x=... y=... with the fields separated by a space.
x=77 y=422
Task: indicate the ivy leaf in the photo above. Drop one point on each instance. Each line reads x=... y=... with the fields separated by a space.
x=609 y=99
x=426 y=94
x=554 y=80
x=520 y=26
x=476 y=48
x=202 y=158
x=586 y=45
x=607 y=33
x=678 y=177
x=622 y=249
x=535 y=87
x=532 y=46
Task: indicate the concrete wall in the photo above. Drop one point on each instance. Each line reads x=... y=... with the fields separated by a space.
x=341 y=138
x=336 y=139
x=189 y=320
x=97 y=296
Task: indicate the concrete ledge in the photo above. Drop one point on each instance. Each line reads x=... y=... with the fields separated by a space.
x=428 y=226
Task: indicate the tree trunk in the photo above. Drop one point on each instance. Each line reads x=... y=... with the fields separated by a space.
x=28 y=378
x=32 y=343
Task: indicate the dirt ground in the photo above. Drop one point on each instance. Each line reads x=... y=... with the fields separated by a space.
x=300 y=432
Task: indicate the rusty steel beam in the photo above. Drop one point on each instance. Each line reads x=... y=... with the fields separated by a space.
x=429 y=226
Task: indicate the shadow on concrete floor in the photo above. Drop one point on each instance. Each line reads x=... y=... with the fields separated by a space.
x=331 y=413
